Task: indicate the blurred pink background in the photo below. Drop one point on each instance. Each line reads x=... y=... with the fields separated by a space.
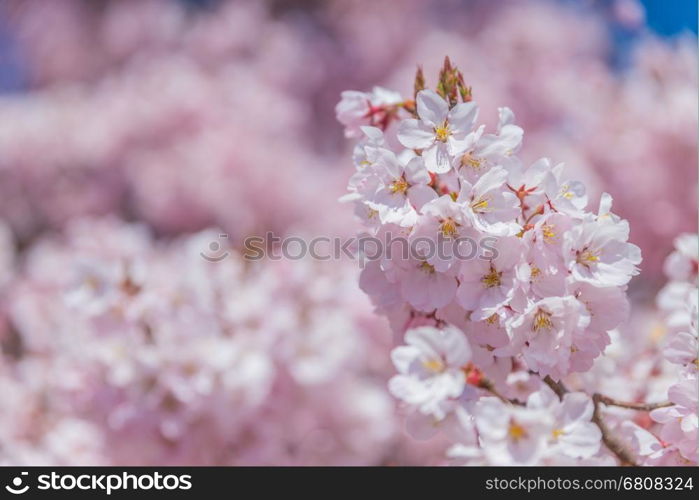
x=134 y=133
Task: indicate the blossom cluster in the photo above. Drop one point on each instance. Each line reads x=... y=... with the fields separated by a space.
x=541 y=300
x=676 y=439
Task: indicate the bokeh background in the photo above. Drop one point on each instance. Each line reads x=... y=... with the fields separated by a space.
x=135 y=133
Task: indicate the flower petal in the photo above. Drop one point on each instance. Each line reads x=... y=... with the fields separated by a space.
x=414 y=134
x=437 y=158
x=431 y=108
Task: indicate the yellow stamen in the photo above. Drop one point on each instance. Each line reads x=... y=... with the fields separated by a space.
x=587 y=257
x=492 y=279
x=542 y=319
x=399 y=186
x=548 y=233
x=480 y=205
x=535 y=272
x=427 y=267
x=469 y=160
x=557 y=433
x=492 y=319
x=566 y=192
x=449 y=227
x=442 y=132
x=371 y=213
x=516 y=431
x=433 y=365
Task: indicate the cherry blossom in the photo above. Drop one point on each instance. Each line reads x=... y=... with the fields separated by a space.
x=538 y=298
x=438 y=130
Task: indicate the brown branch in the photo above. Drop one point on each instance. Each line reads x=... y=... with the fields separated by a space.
x=490 y=387
x=557 y=387
x=631 y=406
x=614 y=445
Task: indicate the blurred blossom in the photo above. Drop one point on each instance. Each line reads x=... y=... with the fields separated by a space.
x=198 y=367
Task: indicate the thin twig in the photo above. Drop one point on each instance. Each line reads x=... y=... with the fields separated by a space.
x=557 y=387
x=490 y=387
x=631 y=406
x=613 y=444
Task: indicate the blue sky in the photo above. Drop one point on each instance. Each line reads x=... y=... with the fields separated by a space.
x=670 y=17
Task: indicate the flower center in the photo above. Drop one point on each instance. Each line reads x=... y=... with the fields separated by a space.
x=399 y=186
x=516 y=431
x=449 y=227
x=433 y=365
x=542 y=319
x=468 y=159
x=557 y=433
x=548 y=233
x=587 y=257
x=427 y=267
x=535 y=272
x=566 y=192
x=480 y=205
x=442 y=132
x=492 y=319
x=492 y=279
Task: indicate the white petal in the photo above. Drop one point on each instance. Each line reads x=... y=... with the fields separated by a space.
x=437 y=158
x=431 y=108
x=420 y=194
x=416 y=172
x=493 y=178
x=402 y=356
x=414 y=134
x=463 y=116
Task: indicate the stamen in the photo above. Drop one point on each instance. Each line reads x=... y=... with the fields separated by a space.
x=548 y=233
x=492 y=279
x=480 y=205
x=516 y=431
x=542 y=319
x=433 y=365
x=427 y=267
x=469 y=160
x=399 y=186
x=449 y=227
x=442 y=132
x=587 y=257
